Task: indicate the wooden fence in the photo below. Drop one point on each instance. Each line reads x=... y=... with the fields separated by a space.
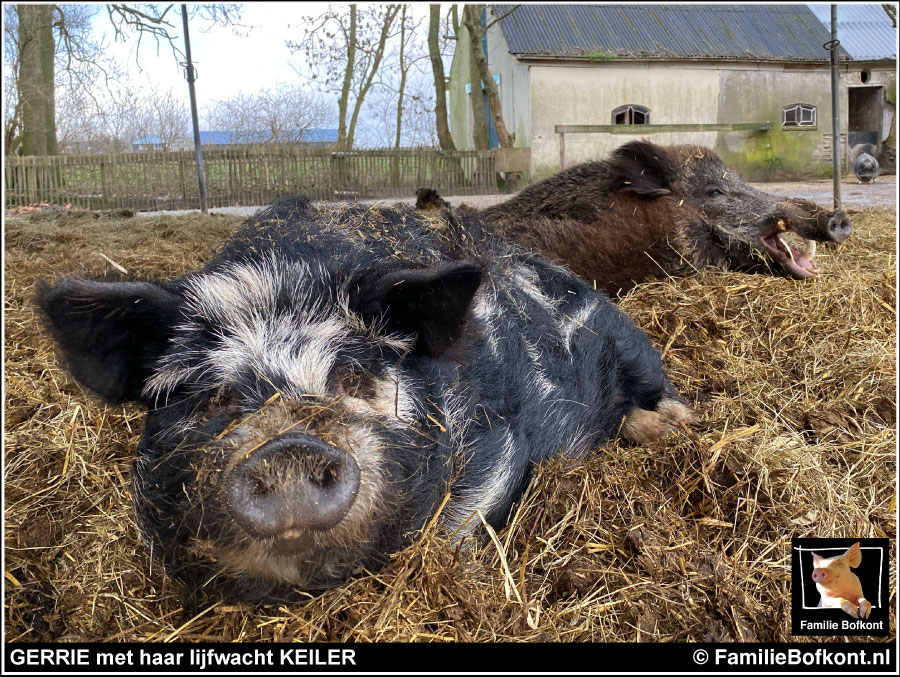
x=247 y=175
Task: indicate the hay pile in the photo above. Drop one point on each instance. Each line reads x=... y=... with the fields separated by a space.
x=687 y=539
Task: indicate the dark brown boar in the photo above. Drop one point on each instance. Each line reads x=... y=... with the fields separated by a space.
x=652 y=211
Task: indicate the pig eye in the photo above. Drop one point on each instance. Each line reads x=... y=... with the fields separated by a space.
x=224 y=401
x=714 y=192
x=354 y=382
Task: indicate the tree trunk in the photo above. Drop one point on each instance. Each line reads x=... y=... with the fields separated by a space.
x=31 y=80
x=389 y=17
x=479 y=123
x=48 y=76
x=472 y=21
x=403 y=70
x=440 y=87
x=348 y=79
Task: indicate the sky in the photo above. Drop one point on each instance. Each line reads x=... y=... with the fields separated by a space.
x=228 y=60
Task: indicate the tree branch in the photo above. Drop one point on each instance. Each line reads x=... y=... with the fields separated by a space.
x=501 y=18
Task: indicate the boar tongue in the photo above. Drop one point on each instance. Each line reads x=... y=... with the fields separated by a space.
x=800 y=263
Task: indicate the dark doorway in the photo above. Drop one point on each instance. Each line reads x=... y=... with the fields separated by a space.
x=864 y=120
x=865 y=114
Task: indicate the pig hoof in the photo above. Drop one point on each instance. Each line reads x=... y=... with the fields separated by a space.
x=850 y=608
x=676 y=411
x=864 y=608
x=643 y=426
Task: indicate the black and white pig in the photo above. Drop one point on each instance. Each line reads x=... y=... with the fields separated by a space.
x=317 y=388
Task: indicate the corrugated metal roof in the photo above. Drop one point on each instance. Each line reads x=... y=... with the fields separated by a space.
x=763 y=32
x=865 y=31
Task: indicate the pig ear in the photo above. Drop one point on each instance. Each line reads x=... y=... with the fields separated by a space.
x=431 y=303
x=641 y=168
x=817 y=559
x=854 y=555
x=109 y=333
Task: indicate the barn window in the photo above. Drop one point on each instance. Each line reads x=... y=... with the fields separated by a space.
x=798 y=115
x=631 y=115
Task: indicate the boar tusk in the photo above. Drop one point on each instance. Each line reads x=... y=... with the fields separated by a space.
x=809 y=249
x=787 y=247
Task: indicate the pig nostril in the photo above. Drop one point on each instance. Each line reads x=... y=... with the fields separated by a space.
x=329 y=477
x=261 y=488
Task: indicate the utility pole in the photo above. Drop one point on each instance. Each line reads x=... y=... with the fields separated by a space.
x=191 y=76
x=835 y=110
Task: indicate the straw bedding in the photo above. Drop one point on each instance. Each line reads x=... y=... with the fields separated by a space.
x=687 y=539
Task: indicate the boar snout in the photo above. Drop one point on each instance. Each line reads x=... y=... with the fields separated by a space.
x=838 y=227
x=292 y=483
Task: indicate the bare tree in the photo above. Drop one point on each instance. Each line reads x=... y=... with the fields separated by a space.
x=418 y=127
x=480 y=137
x=440 y=87
x=472 y=22
x=69 y=56
x=169 y=119
x=403 y=65
x=404 y=73
x=12 y=103
x=110 y=122
x=344 y=48
x=281 y=115
x=160 y=22
x=36 y=78
x=51 y=38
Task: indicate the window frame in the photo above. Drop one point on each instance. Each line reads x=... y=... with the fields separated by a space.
x=805 y=116
x=630 y=108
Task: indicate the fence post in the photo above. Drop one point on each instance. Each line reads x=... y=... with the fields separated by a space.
x=562 y=151
x=184 y=196
x=104 y=187
x=31 y=181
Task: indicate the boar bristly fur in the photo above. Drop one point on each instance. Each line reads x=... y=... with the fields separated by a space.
x=651 y=211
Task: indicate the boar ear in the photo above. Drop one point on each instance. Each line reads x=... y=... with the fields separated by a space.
x=641 y=168
x=854 y=555
x=431 y=303
x=109 y=333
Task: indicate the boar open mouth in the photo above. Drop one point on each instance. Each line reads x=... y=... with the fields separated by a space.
x=798 y=262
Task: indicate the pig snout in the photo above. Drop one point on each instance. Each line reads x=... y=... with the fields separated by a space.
x=292 y=483
x=838 y=227
x=820 y=576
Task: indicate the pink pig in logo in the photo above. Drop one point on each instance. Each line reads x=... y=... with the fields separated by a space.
x=839 y=586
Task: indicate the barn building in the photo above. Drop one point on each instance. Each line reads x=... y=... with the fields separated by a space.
x=751 y=81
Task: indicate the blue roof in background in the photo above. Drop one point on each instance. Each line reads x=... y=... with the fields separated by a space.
x=226 y=137
x=320 y=136
x=231 y=137
x=759 y=32
x=865 y=31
